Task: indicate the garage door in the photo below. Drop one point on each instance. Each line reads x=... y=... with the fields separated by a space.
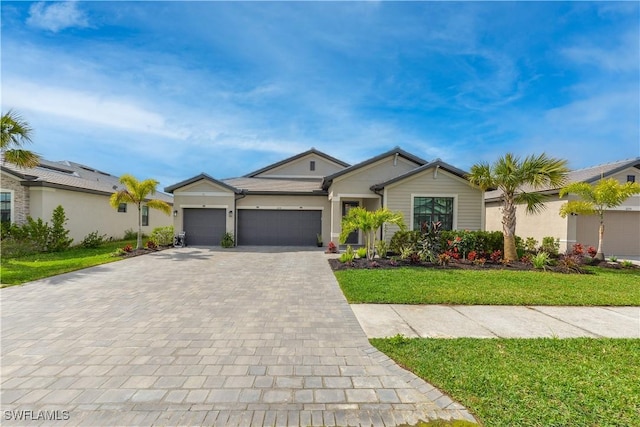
x=278 y=227
x=204 y=226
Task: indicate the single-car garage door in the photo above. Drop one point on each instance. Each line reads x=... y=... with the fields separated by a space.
x=204 y=226
x=278 y=227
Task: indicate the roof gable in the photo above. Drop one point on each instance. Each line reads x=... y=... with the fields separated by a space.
x=397 y=151
x=435 y=164
x=201 y=177
x=271 y=170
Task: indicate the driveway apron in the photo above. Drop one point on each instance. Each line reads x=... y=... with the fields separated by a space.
x=201 y=336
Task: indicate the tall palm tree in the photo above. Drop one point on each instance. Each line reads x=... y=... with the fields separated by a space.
x=596 y=199
x=136 y=192
x=513 y=176
x=368 y=221
x=15 y=132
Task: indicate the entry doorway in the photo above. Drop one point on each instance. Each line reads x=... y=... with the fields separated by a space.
x=353 y=237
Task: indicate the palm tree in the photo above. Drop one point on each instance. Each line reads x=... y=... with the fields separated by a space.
x=596 y=199
x=359 y=218
x=136 y=192
x=15 y=133
x=513 y=175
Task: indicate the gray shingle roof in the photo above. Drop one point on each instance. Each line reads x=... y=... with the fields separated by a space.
x=71 y=176
x=588 y=175
x=276 y=185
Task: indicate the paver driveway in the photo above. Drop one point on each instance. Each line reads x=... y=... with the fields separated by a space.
x=198 y=336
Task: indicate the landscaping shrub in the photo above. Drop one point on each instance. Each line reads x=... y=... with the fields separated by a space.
x=348 y=255
x=361 y=252
x=93 y=240
x=550 y=245
x=382 y=248
x=540 y=260
x=227 y=240
x=36 y=236
x=404 y=239
x=58 y=235
x=161 y=236
x=129 y=234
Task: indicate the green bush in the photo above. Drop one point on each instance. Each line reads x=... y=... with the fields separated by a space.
x=404 y=239
x=381 y=248
x=14 y=248
x=58 y=235
x=348 y=255
x=482 y=242
x=550 y=245
x=93 y=240
x=129 y=234
x=361 y=252
x=227 y=240
x=161 y=236
x=540 y=260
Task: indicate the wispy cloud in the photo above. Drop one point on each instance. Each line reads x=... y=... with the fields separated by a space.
x=57 y=16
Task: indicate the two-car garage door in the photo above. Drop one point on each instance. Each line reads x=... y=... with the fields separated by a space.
x=278 y=227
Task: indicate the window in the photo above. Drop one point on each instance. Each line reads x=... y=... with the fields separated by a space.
x=145 y=215
x=312 y=165
x=5 y=206
x=430 y=209
x=631 y=178
x=122 y=207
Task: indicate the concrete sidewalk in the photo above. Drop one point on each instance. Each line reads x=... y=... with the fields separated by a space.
x=454 y=321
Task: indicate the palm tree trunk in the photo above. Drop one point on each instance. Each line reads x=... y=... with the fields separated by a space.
x=600 y=253
x=139 y=243
x=509 y=230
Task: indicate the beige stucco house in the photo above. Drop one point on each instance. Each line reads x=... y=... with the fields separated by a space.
x=622 y=224
x=296 y=199
x=82 y=191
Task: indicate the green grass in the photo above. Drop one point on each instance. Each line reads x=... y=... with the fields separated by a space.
x=530 y=382
x=15 y=271
x=497 y=287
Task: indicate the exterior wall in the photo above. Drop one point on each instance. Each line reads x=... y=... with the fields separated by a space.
x=203 y=194
x=633 y=202
x=291 y=203
x=468 y=204
x=359 y=181
x=300 y=168
x=547 y=223
x=19 y=198
x=621 y=233
x=87 y=213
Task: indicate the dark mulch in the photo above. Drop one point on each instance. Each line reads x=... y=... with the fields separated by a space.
x=464 y=265
x=143 y=251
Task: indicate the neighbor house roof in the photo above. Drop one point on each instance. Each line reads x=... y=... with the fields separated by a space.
x=434 y=164
x=202 y=176
x=588 y=175
x=296 y=157
x=71 y=176
x=326 y=182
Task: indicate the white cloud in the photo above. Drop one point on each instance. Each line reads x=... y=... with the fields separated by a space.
x=57 y=16
x=622 y=57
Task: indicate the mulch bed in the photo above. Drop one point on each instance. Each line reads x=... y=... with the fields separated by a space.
x=336 y=265
x=143 y=251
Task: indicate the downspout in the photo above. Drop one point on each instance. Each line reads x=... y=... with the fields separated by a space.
x=242 y=195
x=381 y=205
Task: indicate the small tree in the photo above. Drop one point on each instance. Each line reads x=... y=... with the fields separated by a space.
x=595 y=200
x=136 y=192
x=58 y=235
x=512 y=175
x=368 y=222
x=15 y=132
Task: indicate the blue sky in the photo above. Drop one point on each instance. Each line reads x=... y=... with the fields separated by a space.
x=167 y=90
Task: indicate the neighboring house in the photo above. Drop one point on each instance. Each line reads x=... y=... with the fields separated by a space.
x=622 y=224
x=82 y=191
x=294 y=200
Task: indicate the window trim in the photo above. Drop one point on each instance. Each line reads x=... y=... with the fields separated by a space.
x=121 y=209
x=631 y=178
x=143 y=216
x=12 y=205
x=454 y=220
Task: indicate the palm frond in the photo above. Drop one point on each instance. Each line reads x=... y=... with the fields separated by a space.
x=578 y=207
x=159 y=205
x=22 y=158
x=533 y=201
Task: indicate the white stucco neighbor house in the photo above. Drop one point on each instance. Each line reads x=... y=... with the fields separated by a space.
x=292 y=201
x=622 y=224
x=82 y=191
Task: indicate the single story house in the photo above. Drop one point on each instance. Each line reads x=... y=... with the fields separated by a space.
x=293 y=201
x=82 y=191
x=622 y=224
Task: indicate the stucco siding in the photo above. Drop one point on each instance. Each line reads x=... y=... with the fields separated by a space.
x=300 y=168
x=359 y=181
x=621 y=236
x=203 y=194
x=468 y=199
x=91 y=212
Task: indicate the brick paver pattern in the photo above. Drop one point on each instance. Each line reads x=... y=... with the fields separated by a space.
x=200 y=336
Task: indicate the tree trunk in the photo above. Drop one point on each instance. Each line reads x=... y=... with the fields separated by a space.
x=509 y=230
x=139 y=243
x=600 y=253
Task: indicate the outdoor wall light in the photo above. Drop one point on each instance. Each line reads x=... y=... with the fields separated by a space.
x=175 y=213
x=230 y=214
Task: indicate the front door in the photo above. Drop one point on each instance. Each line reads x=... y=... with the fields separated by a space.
x=352 y=239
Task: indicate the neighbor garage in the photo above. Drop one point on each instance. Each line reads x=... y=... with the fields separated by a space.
x=204 y=226
x=278 y=227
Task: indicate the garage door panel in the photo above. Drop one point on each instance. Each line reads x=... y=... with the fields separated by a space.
x=204 y=226
x=278 y=227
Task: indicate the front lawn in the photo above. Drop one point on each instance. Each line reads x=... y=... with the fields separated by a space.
x=605 y=286
x=530 y=382
x=15 y=271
